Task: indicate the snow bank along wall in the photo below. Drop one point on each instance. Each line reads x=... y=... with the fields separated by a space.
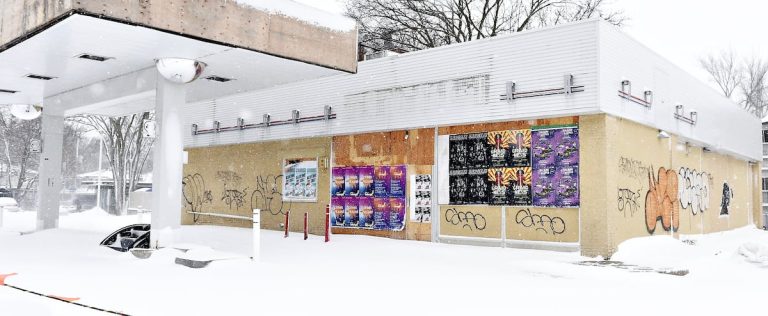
x=407 y=112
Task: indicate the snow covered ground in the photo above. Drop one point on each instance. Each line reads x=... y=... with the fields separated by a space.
x=374 y=276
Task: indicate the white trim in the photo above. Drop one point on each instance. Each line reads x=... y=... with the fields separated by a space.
x=247 y=218
x=544 y=245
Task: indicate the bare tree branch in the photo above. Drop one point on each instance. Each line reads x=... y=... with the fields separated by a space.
x=407 y=25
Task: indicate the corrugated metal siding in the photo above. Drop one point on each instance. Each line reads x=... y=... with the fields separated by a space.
x=457 y=84
x=722 y=125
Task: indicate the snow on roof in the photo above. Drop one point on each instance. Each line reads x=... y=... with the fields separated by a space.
x=304 y=13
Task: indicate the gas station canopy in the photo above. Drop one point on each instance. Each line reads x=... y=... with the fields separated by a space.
x=98 y=56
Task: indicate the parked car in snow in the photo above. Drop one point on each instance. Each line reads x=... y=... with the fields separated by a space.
x=7 y=202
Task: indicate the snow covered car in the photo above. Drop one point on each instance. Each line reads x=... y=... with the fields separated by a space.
x=7 y=202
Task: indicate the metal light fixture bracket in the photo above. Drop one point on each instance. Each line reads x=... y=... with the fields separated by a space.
x=626 y=93
x=568 y=88
x=690 y=118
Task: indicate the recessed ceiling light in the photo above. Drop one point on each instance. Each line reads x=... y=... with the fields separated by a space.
x=39 y=77
x=93 y=57
x=218 y=79
x=8 y=91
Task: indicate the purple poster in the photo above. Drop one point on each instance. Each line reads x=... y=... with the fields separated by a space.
x=337 y=187
x=365 y=209
x=568 y=148
x=543 y=143
x=381 y=213
x=398 y=178
x=544 y=191
x=351 y=182
x=365 y=176
x=351 y=210
x=567 y=186
x=337 y=211
x=396 y=214
x=381 y=181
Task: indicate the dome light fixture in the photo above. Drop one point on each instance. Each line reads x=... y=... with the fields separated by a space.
x=26 y=112
x=180 y=70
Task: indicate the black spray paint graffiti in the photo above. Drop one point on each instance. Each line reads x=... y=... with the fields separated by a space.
x=629 y=201
x=465 y=219
x=234 y=198
x=694 y=190
x=267 y=196
x=195 y=193
x=725 y=203
x=543 y=223
x=633 y=168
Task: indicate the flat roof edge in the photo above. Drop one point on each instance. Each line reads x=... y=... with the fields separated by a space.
x=271 y=34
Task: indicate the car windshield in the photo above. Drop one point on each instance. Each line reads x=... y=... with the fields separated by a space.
x=5 y=193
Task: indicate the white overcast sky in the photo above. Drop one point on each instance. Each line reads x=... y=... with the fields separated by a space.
x=680 y=30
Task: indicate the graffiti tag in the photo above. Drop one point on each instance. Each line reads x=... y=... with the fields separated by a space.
x=661 y=201
x=725 y=202
x=465 y=219
x=234 y=198
x=628 y=201
x=267 y=196
x=195 y=193
x=694 y=190
x=632 y=168
x=544 y=223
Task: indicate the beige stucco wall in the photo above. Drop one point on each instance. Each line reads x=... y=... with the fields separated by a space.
x=481 y=221
x=594 y=141
x=654 y=183
x=222 y=21
x=258 y=170
x=542 y=224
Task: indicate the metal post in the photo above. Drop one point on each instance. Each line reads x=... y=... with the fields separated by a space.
x=287 y=216
x=306 y=225
x=98 y=175
x=435 y=215
x=503 y=227
x=256 y=235
x=327 y=223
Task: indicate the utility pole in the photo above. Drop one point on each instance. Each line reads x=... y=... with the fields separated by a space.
x=98 y=182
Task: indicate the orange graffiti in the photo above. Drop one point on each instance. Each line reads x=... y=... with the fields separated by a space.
x=661 y=201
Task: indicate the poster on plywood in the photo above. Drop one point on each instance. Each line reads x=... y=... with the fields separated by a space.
x=300 y=180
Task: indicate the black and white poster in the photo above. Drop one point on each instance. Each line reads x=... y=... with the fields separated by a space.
x=479 y=188
x=477 y=150
x=421 y=198
x=459 y=186
x=458 y=152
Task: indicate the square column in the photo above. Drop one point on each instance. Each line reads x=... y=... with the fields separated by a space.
x=168 y=162
x=50 y=179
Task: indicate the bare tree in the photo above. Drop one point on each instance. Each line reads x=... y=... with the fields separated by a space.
x=408 y=25
x=724 y=69
x=127 y=150
x=745 y=82
x=753 y=87
x=20 y=163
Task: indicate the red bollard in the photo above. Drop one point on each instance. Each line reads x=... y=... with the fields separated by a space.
x=286 y=223
x=306 y=225
x=327 y=223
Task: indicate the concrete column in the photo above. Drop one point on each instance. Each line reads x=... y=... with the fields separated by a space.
x=50 y=179
x=167 y=162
